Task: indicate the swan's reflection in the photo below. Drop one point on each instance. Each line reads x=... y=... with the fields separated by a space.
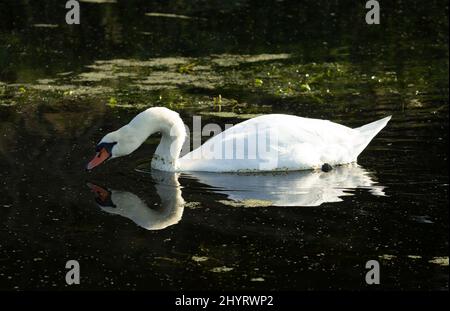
x=300 y=188
x=129 y=205
x=303 y=188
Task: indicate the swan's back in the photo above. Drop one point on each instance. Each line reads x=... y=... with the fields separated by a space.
x=280 y=142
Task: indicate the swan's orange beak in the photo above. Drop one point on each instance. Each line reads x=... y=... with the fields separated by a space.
x=99 y=158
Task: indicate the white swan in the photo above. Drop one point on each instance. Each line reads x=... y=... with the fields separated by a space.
x=266 y=143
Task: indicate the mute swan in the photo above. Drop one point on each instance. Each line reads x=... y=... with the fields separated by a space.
x=271 y=142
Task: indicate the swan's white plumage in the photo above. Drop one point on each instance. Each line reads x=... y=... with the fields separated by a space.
x=292 y=143
x=301 y=143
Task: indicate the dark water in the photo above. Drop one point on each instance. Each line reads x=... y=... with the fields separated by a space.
x=63 y=87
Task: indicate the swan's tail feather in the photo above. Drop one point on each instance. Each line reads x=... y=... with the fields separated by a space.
x=368 y=132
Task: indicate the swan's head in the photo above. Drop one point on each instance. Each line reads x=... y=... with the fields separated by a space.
x=113 y=145
x=129 y=137
x=105 y=150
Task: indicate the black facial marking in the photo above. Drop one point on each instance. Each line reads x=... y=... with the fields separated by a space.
x=107 y=146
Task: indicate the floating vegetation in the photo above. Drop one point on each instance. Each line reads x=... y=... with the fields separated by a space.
x=199 y=258
x=217 y=102
x=164 y=79
x=442 y=261
x=221 y=269
x=387 y=257
x=112 y=102
x=305 y=87
x=258 y=82
x=188 y=68
x=226 y=60
x=168 y=15
x=94 y=76
x=45 y=81
x=45 y=25
x=181 y=82
x=193 y=205
x=247 y=203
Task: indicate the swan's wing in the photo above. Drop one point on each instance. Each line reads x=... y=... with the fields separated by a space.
x=273 y=142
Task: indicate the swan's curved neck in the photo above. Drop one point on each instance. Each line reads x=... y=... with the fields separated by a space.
x=173 y=135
